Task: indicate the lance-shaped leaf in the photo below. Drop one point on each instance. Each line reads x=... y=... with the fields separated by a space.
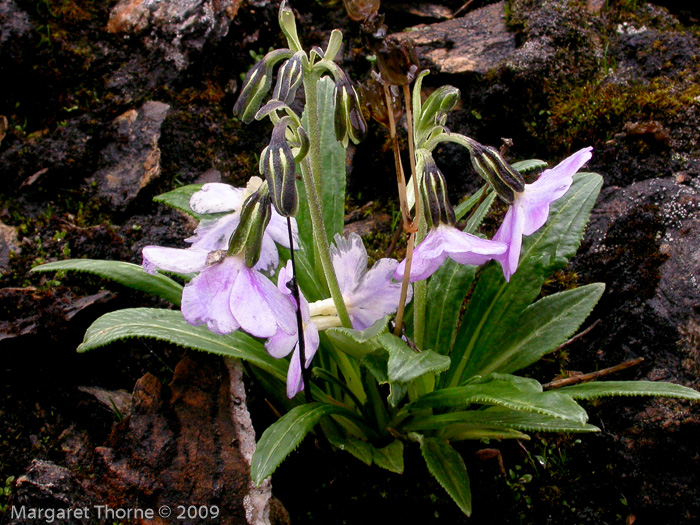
x=405 y=365
x=495 y=305
x=171 y=327
x=541 y=328
x=179 y=198
x=629 y=388
x=494 y=417
x=448 y=468
x=507 y=392
x=358 y=343
x=277 y=163
x=283 y=436
x=127 y=274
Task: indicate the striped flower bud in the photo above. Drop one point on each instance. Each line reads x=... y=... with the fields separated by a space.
x=278 y=166
x=435 y=193
x=289 y=78
x=348 y=119
x=257 y=84
x=488 y=163
x=255 y=216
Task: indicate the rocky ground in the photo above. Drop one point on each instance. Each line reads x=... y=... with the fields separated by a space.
x=104 y=105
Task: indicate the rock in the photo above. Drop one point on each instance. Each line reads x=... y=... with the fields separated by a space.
x=188 y=443
x=132 y=160
x=48 y=486
x=644 y=243
x=15 y=31
x=9 y=242
x=475 y=43
x=177 y=25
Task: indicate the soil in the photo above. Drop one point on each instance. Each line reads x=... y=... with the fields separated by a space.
x=621 y=76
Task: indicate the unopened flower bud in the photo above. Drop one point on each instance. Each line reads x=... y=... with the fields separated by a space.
x=505 y=180
x=289 y=78
x=255 y=216
x=277 y=163
x=435 y=193
x=288 y=25
x=348 y=119
x=435 y=108
x=397 y=61
x=256 y=85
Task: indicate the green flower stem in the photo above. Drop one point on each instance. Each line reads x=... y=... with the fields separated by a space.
x=311 y=176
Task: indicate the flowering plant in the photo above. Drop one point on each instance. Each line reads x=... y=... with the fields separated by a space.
x=269 y=278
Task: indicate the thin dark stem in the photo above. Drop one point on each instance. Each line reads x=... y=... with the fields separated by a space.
x=305 y=373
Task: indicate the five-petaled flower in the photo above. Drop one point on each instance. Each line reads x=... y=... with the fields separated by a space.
x=530 y=208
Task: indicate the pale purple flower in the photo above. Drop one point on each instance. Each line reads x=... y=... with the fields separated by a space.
x=282 y=343
x=445 y=241
x=530 y=208
x=214 y=234
x=226 y=295
x=370 y=294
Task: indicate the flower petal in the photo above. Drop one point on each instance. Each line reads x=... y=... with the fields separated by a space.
x=466 y=248
x=511 y=233
x=428 y=256
x=205 y=299
x=212 y=235
x=177 y=260
x=216 y=197
x=295 y=382
x=349 y=261
x=376 y=295
x=259 y=307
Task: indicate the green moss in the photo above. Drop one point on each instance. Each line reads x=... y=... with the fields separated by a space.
x=596 y=111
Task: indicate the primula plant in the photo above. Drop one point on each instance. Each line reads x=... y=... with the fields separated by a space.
x=383 y=357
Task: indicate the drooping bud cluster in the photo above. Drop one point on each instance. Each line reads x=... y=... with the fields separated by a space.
x=493 y=168
x=257 y=84
x=255 y=216
x=434 y=189
x=348 y=119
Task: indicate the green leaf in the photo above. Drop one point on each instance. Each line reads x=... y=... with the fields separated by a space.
x=496 y=417
x=283 y=436
x=389 y=457
x=528 y=165
x=541 y=328
x=495 y=305
x=333 y=173
x=127 y=274
x=629 y=388
x=446 y=289
x=405 y=365
x=170 y=326
x=513 y=395
x=180 y=198
x=448 y=468
x=357 y=343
